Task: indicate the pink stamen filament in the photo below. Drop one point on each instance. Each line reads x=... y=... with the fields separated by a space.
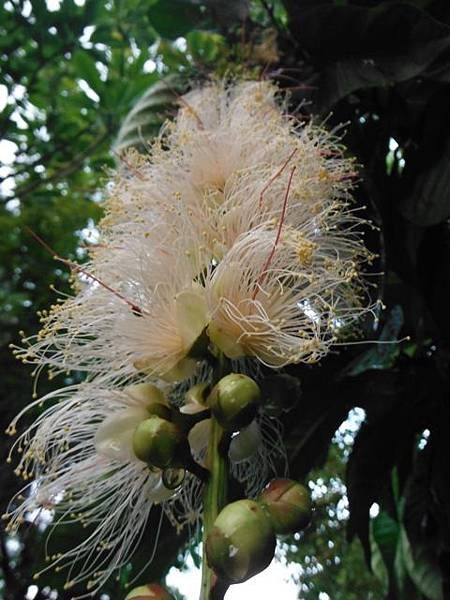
x=83 y=271
x=277 y=238
x=277 y=174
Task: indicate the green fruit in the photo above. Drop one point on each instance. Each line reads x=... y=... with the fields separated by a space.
x=156 y=442
x=241 y=542
x=288 y=505
x=234 y=401
x=151 y=591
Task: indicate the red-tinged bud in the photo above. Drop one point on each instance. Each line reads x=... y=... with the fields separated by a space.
x=157 y=441
x=234 y=401
x=241 y=542
x=288 y=504
x=151 y=591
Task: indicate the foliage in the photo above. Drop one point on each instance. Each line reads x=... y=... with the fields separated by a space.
x=329 y=564
x=74 y=75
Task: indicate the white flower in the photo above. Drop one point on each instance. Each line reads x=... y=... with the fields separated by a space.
x=235 y=236
x=79 y=459
x=239 y=225
x=79 y=452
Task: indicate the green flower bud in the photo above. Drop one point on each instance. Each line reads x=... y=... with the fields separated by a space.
x=288 y=504
x=241 y=542
x=234 y=401
x=151 y=591
x=156 y=441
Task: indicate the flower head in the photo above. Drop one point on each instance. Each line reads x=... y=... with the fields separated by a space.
x=238 y=225
x=79 y=455
x=234 y=238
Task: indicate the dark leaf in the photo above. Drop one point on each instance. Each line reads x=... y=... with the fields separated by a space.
x=175 y=18
x=429 y=201
x=381 y=356
x=392 y=42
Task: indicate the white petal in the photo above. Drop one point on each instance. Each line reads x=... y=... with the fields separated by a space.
x=146 y=394
x=199 y=435
x=192 y=408
x=245 y=443
x=114 y=436
x=192 y=316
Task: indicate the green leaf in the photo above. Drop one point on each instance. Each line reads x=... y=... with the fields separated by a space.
x=205 y=47
x=146 y=117
x=385 y=532
x=86 y=69
x=175 y=18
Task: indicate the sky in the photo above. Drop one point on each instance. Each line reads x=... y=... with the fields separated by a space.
x=274 y=582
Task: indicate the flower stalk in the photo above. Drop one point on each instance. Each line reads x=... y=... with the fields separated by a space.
x=214 y=496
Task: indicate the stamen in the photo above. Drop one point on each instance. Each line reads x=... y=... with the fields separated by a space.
x=277 y=239
x=185 y=103
x=79 y=269
x=122 y=158
x=277 y=174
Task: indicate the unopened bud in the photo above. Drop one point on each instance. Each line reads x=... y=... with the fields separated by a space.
x=234 y=401
x=151 y=591
x=288 y=504
x=241 y=542
x=156 y=441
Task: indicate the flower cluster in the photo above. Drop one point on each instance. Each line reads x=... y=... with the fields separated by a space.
x=233 y=237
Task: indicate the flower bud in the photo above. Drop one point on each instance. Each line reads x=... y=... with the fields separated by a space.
x=234 y=401
x=241 y=542
x=288 y=504
x=151 y=591
x=156 y=441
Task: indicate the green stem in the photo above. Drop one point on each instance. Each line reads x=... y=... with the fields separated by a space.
x=214 y=497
